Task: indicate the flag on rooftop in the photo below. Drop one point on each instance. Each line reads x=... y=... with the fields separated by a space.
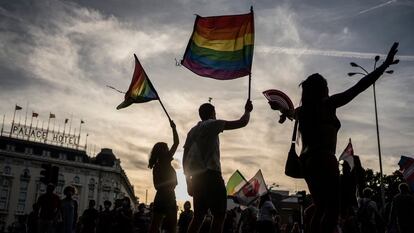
x=221 y=47
x=34 y=114
x=235 y=182
x=348 y=155
x=252 y=190
x=140 y=90
x=17 y=107
x=407 y=169
x=51 y=115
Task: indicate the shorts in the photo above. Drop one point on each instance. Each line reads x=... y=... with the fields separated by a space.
x=164 y=202
x=209 y=193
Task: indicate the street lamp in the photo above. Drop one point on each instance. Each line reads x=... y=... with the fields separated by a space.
x=353 y=64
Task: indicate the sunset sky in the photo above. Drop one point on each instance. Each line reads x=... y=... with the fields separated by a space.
x=58 y=56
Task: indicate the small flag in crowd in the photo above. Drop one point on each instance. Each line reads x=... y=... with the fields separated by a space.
x=221 y=47
x=235 y=182
x=34 y=114
x=407 y=169
x=252 y=190
x=17 y=107
x=66 y=120
x=348 y=155
x=140 y=90
x=51 y=115
x=82 y=122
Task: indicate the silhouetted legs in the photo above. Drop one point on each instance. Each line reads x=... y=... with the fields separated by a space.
x=322 y=177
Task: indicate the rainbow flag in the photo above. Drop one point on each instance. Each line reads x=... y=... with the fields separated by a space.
x=140 y=90
x=221 y=47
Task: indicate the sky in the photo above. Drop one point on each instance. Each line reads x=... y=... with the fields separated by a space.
x=59 y=57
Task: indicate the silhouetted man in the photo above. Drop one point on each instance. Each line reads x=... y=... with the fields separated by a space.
x=89 y=218
x=105 y=219
x=403 y=209
x=185 y=218
x=201 y=162
x=49 y=204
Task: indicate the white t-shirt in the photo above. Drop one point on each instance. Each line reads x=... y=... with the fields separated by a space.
x=205 y=134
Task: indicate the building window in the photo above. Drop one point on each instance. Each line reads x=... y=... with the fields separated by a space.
x=28 y=151
x=62 y=156
x=4 y=194
x=21 y=202
x=78 y=159
x=7 y=170
x=46 y=153
x=61 y=183
x=91 y=192
x=41 y=188
x=76 y=180
x=10 y=147
x=26 y=173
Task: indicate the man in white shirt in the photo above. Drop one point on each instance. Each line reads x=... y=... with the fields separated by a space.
x=201 y=162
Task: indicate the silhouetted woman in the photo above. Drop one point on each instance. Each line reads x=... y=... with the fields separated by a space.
x=165 y=180
x=318 y=127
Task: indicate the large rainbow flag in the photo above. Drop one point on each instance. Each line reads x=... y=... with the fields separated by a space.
x=140 y=90
x=221 y=47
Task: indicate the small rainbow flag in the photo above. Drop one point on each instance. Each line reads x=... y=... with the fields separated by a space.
x=221 y=47
x=140 y=90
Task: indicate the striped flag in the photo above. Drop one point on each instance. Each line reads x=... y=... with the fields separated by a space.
x=221 y=47
x=407 y=169
x=140 y=90
x=235 y=182
x=348 y=155
x=252 y=190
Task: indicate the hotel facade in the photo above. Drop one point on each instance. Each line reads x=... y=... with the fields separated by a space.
x=25 y=149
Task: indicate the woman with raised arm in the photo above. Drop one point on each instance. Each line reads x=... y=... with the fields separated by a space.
x=318 y=127
x=165 y=180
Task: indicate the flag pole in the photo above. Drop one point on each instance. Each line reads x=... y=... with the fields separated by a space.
x=250 y=85
x=2 y=125
x=14 y=115
x=162 y=105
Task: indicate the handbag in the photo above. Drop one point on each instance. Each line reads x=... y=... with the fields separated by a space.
x=293 y=167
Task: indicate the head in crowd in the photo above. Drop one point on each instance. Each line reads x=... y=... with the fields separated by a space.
x=187 y=206
x=91 y=204
x=367 y=193
x=69 y=191
x=107 y=204
x=207 y=111
x=126 y=203
x=403 y=188
x=141 y=208
x=159 y=154
x=314 y=89
x=264 y=198
x=50 y=188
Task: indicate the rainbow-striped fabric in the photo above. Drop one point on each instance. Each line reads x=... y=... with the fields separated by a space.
x=221 y=47
x=140 y=90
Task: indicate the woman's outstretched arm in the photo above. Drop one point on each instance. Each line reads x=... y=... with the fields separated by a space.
x=176 y=140
x=340 y=99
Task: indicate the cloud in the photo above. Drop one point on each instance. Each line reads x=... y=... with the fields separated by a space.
x=58 y=56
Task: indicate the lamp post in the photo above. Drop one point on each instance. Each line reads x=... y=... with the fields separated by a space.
x=353 y=64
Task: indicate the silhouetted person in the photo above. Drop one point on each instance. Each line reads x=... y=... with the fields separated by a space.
x=318 y=127
x=49 y=204
x=165 y=180
x=367 y=212
x=247 y=222
x=69 y=210
x=105 y=219
x=202 y=150
x=141 y=219
x=185 y=218
x=403 y=209
x=89 y=218
x=124 y=216
x=267 y=211
x=33 y=219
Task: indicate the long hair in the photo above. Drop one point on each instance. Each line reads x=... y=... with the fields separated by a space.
x=314 y=90
x=157 y=152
